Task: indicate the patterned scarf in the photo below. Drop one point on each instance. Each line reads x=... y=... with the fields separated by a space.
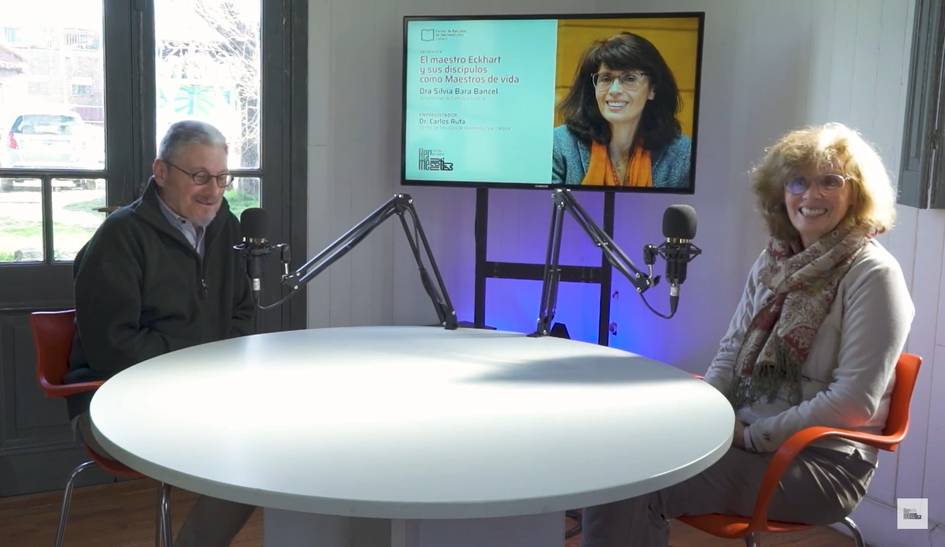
x=804 y=284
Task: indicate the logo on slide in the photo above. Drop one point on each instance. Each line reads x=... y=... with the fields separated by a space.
x=912 y=513
x=433 y=160
x=426 y=34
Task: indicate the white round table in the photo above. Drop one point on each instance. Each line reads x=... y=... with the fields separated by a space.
x=411 y=424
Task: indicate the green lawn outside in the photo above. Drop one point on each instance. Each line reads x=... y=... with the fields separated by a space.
x=88 y=206
x=239 y=201
x=25 y=234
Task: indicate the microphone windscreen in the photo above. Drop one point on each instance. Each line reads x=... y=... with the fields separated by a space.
x=254 y=223
x=679 y=222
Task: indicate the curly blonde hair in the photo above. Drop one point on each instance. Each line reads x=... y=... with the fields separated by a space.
x=830 y=147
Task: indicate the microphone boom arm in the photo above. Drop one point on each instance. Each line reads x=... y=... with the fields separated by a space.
x=401 y=205
x=564 y=201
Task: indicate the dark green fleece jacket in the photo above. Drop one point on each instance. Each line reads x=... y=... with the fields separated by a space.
x=141 y=290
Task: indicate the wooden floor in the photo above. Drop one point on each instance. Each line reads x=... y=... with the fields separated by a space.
x=122 y=515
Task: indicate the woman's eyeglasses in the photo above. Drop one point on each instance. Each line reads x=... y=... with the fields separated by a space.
x=630 y=80
x=202 y=177
x=831 y=182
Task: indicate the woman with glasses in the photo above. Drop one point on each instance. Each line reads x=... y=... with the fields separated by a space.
x=814 y=341
x=620 y=120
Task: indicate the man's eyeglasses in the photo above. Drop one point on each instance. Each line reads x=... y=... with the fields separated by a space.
x=831 y=182
x=631 y=80
x=202 y=177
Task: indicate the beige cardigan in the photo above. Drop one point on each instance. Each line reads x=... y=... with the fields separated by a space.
x=848 y=376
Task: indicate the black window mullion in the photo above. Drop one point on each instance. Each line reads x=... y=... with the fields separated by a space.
x=145 y=107
x=46 y=199
x=129 y=97
x=119 y=137
x=282 y=161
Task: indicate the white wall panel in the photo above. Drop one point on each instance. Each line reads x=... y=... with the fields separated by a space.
x=319 y=225
x=929 y=238
x=890 y=85
x=934 y=470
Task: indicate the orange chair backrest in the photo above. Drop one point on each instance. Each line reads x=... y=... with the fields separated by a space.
x=52 y=337
x=897 y=422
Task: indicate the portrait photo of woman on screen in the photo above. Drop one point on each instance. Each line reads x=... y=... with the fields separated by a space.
x=620 y=125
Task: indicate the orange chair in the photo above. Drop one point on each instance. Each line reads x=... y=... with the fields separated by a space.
x=52 y=336
x=897 y=424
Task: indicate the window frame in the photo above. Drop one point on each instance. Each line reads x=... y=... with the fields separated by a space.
x=128 y=43
x=922 y=168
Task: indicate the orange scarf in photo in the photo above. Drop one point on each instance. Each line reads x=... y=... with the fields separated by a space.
x=600 y=170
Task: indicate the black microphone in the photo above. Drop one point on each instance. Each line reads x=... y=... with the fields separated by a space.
x=254 y=223
x=679 y=228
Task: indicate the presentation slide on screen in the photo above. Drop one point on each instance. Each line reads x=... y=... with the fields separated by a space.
x=480 y=98
x=527 y=100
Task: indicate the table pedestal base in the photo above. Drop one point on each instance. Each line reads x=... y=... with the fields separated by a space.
x=292 y=529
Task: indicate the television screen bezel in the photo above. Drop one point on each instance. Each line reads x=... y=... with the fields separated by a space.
x=700 y=15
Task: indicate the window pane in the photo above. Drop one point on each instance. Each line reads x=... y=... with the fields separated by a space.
x=243 y=194
x=21 y=220
x=207 y=65
x=52 y=85
x=75 y=217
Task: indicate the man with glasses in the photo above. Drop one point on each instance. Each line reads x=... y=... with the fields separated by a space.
x=160 y=275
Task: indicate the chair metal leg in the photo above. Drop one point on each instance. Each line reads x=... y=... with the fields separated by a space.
x=158 y=527
x=158 y=520
x=165 y=532
x=577 y=515
x=751 y=540
x=857 y=536
x=67 y=499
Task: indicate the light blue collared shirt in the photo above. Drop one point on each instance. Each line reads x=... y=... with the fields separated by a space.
x=191 y=232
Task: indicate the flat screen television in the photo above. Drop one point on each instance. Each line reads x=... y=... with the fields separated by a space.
x=599 y=102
